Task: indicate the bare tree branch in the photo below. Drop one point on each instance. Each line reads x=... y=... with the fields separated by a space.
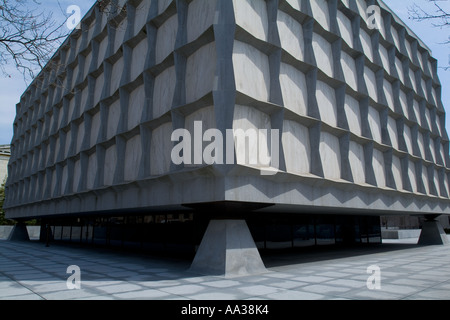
x=439 y=18
x=28 y=37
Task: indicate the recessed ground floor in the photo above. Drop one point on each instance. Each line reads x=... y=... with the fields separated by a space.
x=183 y=232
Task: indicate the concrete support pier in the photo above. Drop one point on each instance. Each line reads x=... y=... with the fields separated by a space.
x=227 y=249
x=433 y=233
x=19 y=233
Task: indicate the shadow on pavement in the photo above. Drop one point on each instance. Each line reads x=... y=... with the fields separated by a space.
x=280 y=258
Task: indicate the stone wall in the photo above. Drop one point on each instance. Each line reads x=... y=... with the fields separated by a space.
x=359 y=111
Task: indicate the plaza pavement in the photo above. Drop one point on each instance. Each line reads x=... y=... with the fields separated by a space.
x=30 y=270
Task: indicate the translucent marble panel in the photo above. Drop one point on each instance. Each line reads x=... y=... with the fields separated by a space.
x=384 y=57
x=349 y=69
x=117 y=72
x=412 y=77
x=320 y=13
x=353 y=115
x=102 y=51
x=296 y=4
x=409 y=50
x=296 y=144
x=207 y=118
x=246 y=118
x=393 y=134
x=92 y=171
x=87 y=64
x=133 y=154
x=138 y=59
x=95 y=128
x=397 y=172
x=326 y=100
x=166 y=37
x=99 y=82
x=389 y=94
x=436 y=181
x=356 y=159
x=424 y=88
x=408 y=138
x=136 y=106
x=121 y=29
x=110 y=165
x=428 y=117
x=446 y=185
x=84 y=98
x=80 y=136
x=113 y=119
x=200 y=72
x=64 y=180
x=374 y=123
x=161 y=148
x=330 y=155
x=345 y=27
x=291 y=35
x=433 y=98
x=362 y=8
x=416 y=109
x=421 y=144
x=70 y=113
x=54 y=155
x=323 y=54
x=66 y=151
x=425 y=180
x=140 y=17
x=52 y=173
x=442 y=153
x=371 y=83
x=396 y=38
x=433 y=150
x=294 y=89
x=163 y=4
x=163 y=93
x=366 y=42
x=200 y=17
x=251 y=15
x=404 y=104
x=399 y=67
x=252 y=72
x=378 y=168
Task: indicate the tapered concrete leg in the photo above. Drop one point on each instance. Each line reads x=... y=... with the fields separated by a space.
x=433 y=233
x=228 y=249
x=19 y=233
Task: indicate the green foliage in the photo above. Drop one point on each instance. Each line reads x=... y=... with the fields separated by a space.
x=3 y=220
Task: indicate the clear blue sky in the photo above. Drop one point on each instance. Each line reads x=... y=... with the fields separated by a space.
x=12 y=88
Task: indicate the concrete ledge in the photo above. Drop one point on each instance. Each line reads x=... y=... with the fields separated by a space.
x=400 y=234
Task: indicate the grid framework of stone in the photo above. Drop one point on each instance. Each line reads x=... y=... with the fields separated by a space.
x=360 y=111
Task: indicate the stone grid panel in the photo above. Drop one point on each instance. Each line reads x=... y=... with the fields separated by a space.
x=360 y=106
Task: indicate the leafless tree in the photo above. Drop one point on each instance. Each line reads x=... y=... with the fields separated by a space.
x=28 y=37
x=437 y=15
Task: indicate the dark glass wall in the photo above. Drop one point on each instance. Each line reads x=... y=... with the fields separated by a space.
x=183 y=232
x=296 y=231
